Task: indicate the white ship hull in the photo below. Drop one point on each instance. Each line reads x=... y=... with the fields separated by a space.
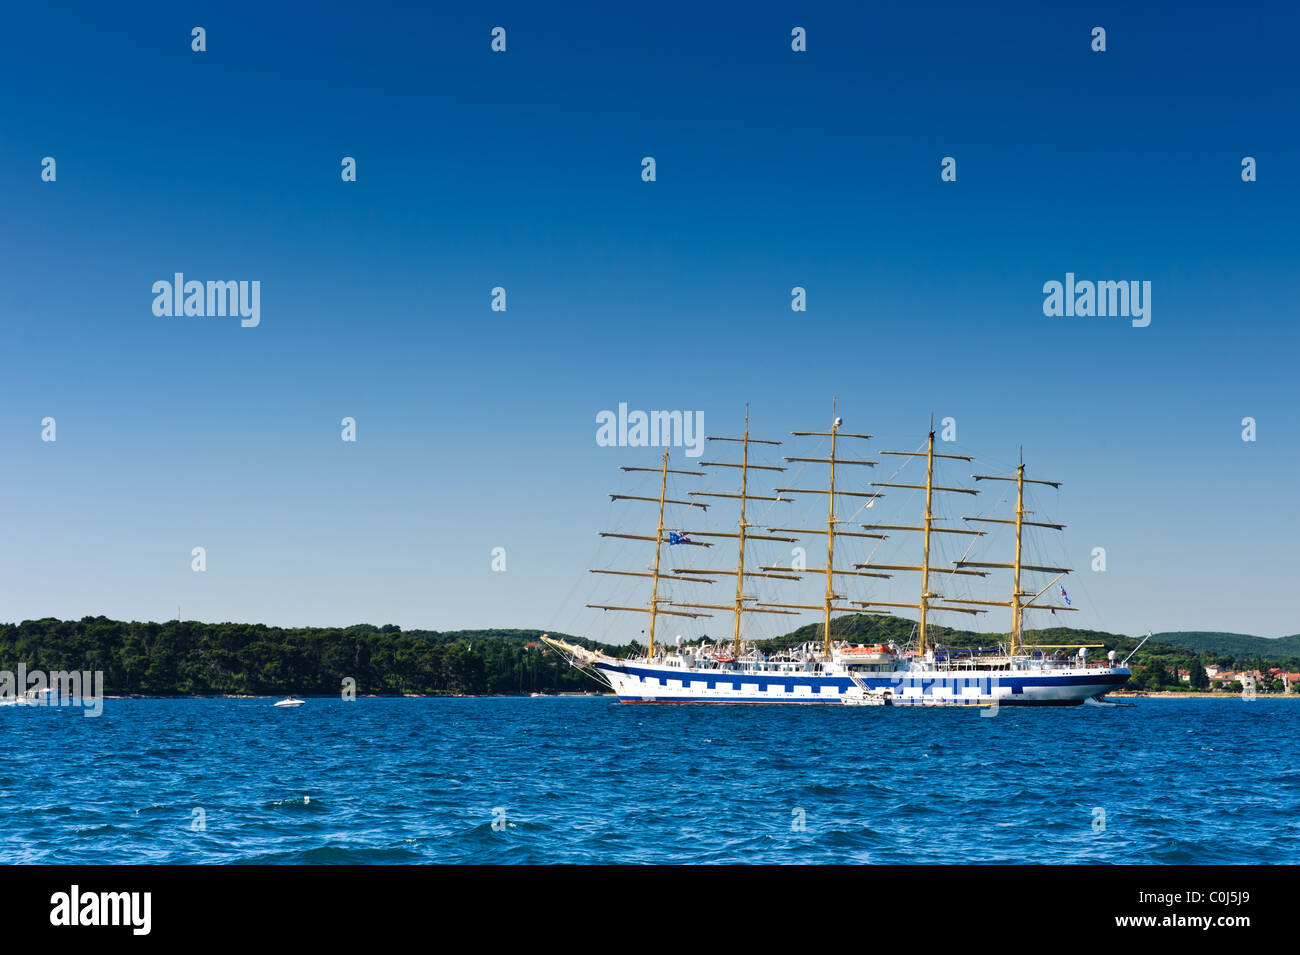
x=645 y=682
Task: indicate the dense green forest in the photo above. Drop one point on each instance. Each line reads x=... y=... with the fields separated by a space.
x=1236 y=643
x=191 y=658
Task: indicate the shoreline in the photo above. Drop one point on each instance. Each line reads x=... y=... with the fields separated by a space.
x=1115 y=694
x=359 y=696
x=1199 y=695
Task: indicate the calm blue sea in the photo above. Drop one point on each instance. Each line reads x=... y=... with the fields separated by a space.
x=590 y=780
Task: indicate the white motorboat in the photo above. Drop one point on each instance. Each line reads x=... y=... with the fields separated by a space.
x=861 y=696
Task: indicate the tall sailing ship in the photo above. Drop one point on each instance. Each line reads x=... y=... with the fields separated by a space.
x=829 y=670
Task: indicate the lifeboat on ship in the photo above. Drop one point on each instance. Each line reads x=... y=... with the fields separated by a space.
x=876 y=654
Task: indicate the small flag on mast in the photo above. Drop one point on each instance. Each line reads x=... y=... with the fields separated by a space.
x=1066 y=598
x=676 y=538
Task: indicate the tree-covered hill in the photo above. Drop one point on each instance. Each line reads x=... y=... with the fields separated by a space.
x=1240 y=644
x=875 y=628
x=1155 y=665
x=870 y=628
x=192 y=658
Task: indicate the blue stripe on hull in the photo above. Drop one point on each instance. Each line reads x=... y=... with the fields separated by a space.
x=730 y=701
x=781 y=688
x=726 y=701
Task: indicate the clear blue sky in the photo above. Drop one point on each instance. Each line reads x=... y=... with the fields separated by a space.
x=476 y=429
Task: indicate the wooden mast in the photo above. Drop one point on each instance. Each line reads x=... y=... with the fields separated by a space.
x=927 y=530
x=659 y=546
x=830 y=533
x=1017 y=615
x=830 y=570
x=1017 y=604
x=742 y=536
x=925 y=552
x=655 y=576
x=740 y=562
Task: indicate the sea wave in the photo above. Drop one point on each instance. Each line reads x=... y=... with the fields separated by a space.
x=547 y=780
